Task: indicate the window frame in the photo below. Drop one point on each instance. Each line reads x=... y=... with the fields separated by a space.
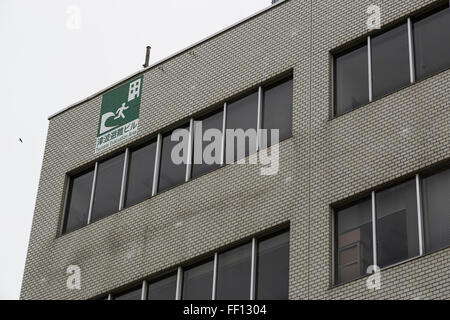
x=367 y=41
x=262 y=104
x=128 y=161
x=218 y=109
x=252 y=262
x=147 y=282
x=409 y=57
x=161 y=136
x=251 y=150
x=221 y=107
x=438 y=7
x=128 y=289
x=356 y=44
x=257 y=254
x=372 y=194
x=334 y=55
x=179 y=270
x=335 y=236
x=423 y=177
x=123 y=178
x=67 y=189
x=211 y=260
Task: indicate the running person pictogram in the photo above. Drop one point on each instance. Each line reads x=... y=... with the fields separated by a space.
x=119 y=112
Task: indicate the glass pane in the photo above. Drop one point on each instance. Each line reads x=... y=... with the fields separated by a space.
x=197 y=282
x=140 y=174
x=273 y=268
x=352 y=80
x=436 y=204
x=354 y=241
x=107 y=189
x=397 y=228
x=207 y=128
x=349 y=272
x=243 y=115
x=390 y=61
x=277 y=111
x=133 y=294
x=349 y=255
x=172 y=174
x=233 y=274
x=164 y=289
x=432 y=44
x=79 y=197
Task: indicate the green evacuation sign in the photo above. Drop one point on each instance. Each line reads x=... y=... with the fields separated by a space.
x=119 y=116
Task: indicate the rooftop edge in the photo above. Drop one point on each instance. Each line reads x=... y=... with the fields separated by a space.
x=153 y=65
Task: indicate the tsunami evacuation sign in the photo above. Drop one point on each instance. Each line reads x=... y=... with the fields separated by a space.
x=119 y=115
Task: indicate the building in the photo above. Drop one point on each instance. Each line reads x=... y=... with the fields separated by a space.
x=364 y=127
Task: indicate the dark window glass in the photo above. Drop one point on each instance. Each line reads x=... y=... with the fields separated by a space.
x=197 y=282
x=273 y=268
x=133 y=294
x=212 y=145
x=140 y=174
x=164 y=289
x=436 y=204
x=241 y=114
x=432 y=44
x=277 y=111
x=79 y=197
x=351 y=80
x=390 y=61
x=233 y=275
x=107 y=188
x=172 y=174
x=397 y=228
x=354 y=253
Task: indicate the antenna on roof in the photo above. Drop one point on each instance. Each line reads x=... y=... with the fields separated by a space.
x=147 y=57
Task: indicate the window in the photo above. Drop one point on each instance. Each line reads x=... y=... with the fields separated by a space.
x=354 y=252
x=78 y=200
x=108 y=187
x=397 y=228
x=201 y=147
x=432 y=43
x=140 y=174
x=412 y=218
x=273 y=268
x=198 y=282
x=172 y=174
x=233 y=275
x=436 y=206
x=164 y=289
x=352 y=80
x=390 y=61
x=132 y=294
x=242 y=115
x=396 y=232
x=412 y=51
x=277 y=111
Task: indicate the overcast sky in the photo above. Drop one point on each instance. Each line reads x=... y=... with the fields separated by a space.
x=57 y=52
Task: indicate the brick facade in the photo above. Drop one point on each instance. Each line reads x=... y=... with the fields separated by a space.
x=327 y=160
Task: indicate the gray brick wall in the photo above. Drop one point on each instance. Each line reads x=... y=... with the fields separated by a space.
x=325 y=161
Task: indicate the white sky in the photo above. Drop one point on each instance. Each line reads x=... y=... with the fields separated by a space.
x=46 y=66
